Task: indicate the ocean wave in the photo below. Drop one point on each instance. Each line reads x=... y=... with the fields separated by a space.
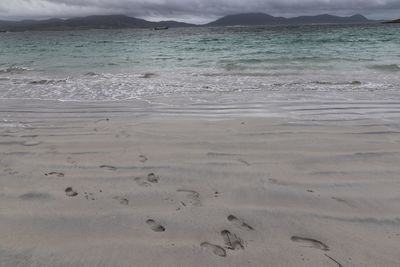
x=204 y=84
x=386 y=67
x=246 y=73
x=40 y=82
x=337 y=83
x=14 y=70
x=148 y=75
x=233 y=66
x=92 y=73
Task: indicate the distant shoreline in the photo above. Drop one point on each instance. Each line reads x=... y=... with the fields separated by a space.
x=125 y=22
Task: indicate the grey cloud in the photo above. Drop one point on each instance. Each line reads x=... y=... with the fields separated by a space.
x=193 y=9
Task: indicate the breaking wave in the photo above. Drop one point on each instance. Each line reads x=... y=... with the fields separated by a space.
x=14 y=70
x=387 y=67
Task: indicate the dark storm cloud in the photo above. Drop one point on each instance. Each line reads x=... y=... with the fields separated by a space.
x=193 y=9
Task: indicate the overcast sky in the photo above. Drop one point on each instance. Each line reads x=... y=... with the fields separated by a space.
x=196 y=11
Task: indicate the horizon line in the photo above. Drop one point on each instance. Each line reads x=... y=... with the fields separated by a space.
x=182 y=21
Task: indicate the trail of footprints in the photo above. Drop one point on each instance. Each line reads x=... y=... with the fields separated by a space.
x=231 y=241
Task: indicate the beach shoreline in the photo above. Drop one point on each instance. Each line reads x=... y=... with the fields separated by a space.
x=106 y=184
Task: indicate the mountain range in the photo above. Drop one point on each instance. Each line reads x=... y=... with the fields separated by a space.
x=122 y=21
x=90 y=22
x=265 y=19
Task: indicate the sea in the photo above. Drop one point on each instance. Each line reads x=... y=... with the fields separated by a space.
x=315 y=71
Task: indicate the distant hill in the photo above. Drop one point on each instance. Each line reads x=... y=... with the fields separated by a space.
x=393 y=21
x=125 y=22
x=248 y=19
x=90 y=22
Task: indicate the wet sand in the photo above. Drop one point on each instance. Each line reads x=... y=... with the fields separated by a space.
x=94 y=186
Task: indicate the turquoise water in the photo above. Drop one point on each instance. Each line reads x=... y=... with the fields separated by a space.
x=221 y=66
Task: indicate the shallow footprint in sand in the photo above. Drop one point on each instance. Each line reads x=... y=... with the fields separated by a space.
x=232 y=241
x=193 y=196
x=108 y=167
x=156 y=227
x=245 y=162
x=215 y=249
x=239 y=223
x=122 y=200
x=10 y=171
x=70 y=192
x=89 y=196
x=143 y=158
x=31 y=143
x=312 y=243
x=152 y=178
x=57 y=174
x=141 y=181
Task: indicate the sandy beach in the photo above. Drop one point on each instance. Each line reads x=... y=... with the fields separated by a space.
x=96 y=186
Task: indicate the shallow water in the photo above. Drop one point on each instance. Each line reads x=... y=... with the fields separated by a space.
x=323 y=71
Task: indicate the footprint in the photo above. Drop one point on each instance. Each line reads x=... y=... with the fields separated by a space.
x=123 y=201
x=71 y=161
x=141 y=181
x=105 y=119
x=312 y=243
x=31 y=143
x=143 y=158
x=232 y=241
x=70 y=192
x=215 y=249
x=122 y=134
x=108 y=167
x=89 y=196
x=341 y=200
x=152 y=178
x=10 y=171
x=57 y=174
x=244 y=162
x=277 y=182
x=239 y=223
x=156 y=227
x=193 y=196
